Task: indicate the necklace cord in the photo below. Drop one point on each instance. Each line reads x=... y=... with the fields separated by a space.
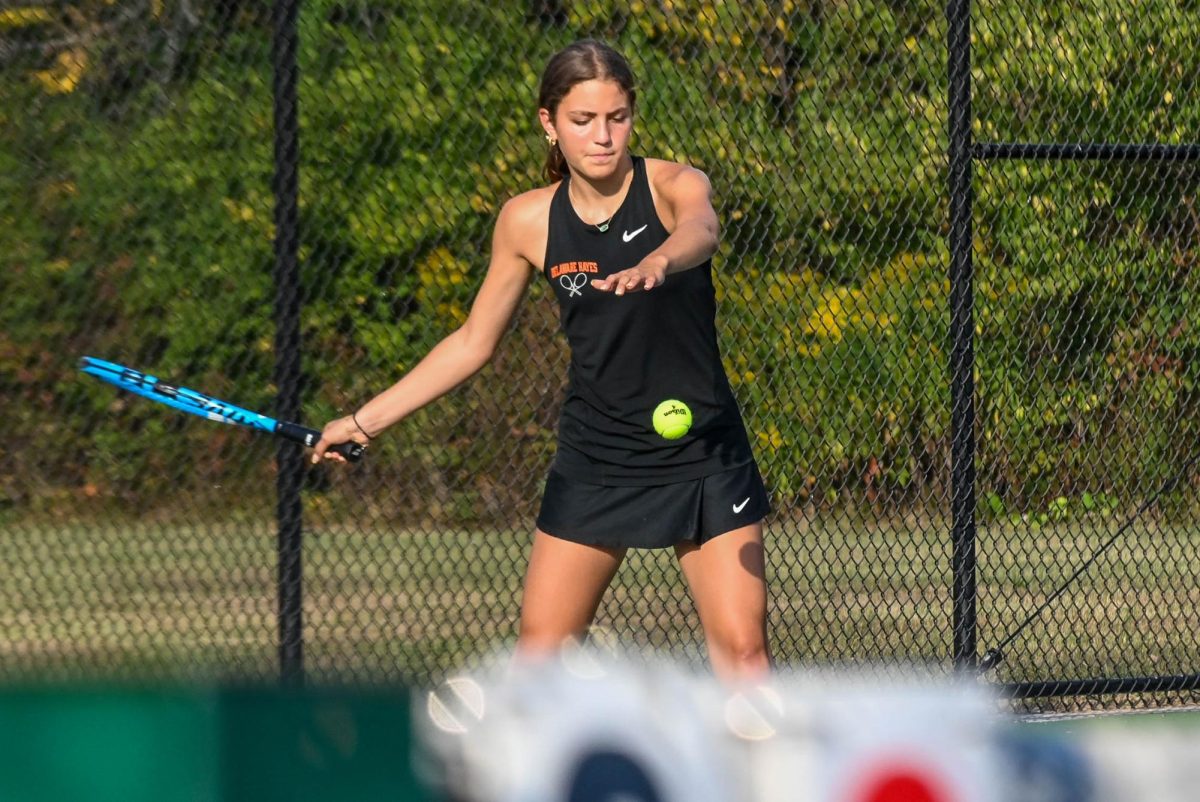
x=601 y=227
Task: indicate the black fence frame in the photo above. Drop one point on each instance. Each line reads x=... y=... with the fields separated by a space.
x=289 y=457
x=963 y=153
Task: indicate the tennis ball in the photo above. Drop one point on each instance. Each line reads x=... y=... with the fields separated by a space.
x=672 y=419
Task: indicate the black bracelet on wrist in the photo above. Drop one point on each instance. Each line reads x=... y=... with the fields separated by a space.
x=354 y=417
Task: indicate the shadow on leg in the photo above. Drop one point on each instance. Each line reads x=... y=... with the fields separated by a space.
x=727 y=578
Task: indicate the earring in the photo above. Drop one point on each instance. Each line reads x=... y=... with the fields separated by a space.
x=551 y=140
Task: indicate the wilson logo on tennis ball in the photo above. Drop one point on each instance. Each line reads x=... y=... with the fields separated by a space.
x=672 y=419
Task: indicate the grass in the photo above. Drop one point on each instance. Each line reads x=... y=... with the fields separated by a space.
x=170 y=601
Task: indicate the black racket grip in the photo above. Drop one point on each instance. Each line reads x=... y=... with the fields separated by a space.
x=351 y=450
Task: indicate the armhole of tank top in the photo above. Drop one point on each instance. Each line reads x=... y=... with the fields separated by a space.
x=651 y=194
x=550 y=229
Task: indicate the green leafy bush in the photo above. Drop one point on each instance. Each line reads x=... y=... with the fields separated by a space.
x=136 y=222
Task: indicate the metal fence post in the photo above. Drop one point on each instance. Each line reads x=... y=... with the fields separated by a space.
x=289 y=456
x=962 y=334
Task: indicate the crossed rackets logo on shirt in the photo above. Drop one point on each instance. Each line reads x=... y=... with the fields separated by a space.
x=573 y=284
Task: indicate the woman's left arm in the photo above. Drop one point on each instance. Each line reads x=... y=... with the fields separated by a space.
x=688 y=196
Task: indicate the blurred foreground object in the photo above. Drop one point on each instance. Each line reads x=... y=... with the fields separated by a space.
x=60 y=744
x=589 y=727
x=585 y=728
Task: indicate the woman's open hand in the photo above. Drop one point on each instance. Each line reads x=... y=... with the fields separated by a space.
x=645 y=275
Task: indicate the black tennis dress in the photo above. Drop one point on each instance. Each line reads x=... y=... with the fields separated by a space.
x=615 y=481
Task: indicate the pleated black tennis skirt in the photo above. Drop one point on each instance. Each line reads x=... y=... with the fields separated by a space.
x=656 y=516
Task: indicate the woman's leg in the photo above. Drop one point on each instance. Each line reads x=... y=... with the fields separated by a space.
x=727 y=577
x=564 y=583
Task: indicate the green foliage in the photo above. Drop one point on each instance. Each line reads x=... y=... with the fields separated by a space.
x=136 y=223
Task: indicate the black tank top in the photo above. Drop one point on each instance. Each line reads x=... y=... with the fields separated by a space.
x=631 y=352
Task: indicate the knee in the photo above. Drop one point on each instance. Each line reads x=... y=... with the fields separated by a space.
x=747 y=649
x=542 y=638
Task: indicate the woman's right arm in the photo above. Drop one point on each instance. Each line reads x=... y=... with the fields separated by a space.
x=464 y=351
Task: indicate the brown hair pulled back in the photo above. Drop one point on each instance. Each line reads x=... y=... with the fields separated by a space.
x=585 y=60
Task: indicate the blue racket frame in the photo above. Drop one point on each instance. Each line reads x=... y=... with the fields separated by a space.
x=203 y=405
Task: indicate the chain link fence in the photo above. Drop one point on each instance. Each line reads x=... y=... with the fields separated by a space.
x=138 y=222
x=1086 y=233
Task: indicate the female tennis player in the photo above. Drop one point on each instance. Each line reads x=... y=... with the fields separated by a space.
x=626 y=244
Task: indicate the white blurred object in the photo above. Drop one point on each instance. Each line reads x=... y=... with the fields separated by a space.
x=915 y=740
x=866 y=738
x=590 y=726
x=584 y=727
x=1155 y=760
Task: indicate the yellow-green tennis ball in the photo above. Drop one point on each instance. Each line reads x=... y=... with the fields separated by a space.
x=672 y=419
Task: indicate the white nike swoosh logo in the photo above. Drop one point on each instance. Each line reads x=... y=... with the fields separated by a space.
x=629 y=235
x=742 y=506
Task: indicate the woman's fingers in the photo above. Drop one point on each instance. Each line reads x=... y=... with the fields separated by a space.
x=334 y=433
x=322 y=451
x=623 y=282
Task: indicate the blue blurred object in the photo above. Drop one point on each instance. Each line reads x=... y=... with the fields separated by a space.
x=1047 y=768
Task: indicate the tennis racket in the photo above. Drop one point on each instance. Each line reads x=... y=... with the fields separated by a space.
x=197 y=403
